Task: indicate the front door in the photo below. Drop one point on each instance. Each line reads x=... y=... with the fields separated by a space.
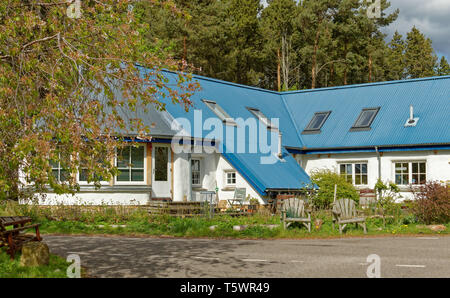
x=161 y=174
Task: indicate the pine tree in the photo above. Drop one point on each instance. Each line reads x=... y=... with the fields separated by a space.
x=420 y=58
x=277 y=23
x=395 y=64
x=444 y=67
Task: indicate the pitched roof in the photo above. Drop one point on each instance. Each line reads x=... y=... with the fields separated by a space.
x=430 y=98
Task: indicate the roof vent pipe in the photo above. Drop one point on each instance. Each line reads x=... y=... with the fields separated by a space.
x=280 y=155
x=411 y=120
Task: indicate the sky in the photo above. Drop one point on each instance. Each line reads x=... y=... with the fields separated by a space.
x=431 y=17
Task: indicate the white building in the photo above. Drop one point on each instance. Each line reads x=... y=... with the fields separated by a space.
x=397 y=131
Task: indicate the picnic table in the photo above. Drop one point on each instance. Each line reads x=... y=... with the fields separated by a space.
x=14 y=238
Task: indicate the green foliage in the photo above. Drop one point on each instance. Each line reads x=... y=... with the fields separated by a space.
x=420 y=57
x=69 y=84
x=11 y=268
x=138 y=222
x=326 y=180
x=432 y=203
x=444 y=67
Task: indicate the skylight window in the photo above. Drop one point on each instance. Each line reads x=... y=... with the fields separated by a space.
x=258 y=114
x=365 y=119
x=219 y=112
x=316 y=122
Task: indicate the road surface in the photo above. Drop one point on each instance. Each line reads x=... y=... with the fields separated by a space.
x=168 y=257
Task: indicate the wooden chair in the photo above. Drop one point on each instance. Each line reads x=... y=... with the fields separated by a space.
x=238 y=197
x=345 y=212
x=294 y=210
x=14 y=238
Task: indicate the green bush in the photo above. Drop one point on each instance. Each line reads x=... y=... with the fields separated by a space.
x=432 y=203
x=325 y=180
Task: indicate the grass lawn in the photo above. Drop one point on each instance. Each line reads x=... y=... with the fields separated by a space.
x=11 y=268
x=200 y=227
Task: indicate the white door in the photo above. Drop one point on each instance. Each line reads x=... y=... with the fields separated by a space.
x=161 y=174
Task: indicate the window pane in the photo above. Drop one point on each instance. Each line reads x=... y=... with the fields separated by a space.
x=349 y=169
x=357 y=168
x=365 y=118
x=364 y=168
x=422 y=167
x=124 y=175
x=137 y=175
x=415 y=167
x=364 y=179
x=53 y=164
x=195 y=165
x=83 y=175
x=161 y=163
x=195 y=178
x=422 y=179
x=55 y=174
x=137 y=157
x=357 y=179
x=123 y=158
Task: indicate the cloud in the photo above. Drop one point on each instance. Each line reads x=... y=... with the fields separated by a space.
x=431 y=17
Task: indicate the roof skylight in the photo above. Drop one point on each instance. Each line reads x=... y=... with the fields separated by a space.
x=219 y=112
x=365 y=119
x=316 y=122
x=258 y=114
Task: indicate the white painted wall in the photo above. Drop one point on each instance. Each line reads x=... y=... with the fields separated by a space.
x=213 y=169
x=437 y=164
x=94 y=198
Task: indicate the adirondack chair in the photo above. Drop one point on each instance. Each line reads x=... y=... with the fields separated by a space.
x=238 y=197
x=294 y=210
x=345 y=212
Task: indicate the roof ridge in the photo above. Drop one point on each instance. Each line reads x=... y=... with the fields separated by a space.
x=367 y=85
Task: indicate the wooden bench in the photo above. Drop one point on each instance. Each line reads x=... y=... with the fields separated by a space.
x=14 y=238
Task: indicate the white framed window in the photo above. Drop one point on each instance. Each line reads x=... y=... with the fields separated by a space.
x=196 y=171
x=410 y=172
x=130 y=162
x=58 y=170
x=355 y=173
x=230 y=178
x=83 y=176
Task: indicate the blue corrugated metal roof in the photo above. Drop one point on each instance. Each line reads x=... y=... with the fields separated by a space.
x=429 y=96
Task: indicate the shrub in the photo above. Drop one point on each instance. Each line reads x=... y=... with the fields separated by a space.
x=387 y=196
x=325 y=180
x=432 y=203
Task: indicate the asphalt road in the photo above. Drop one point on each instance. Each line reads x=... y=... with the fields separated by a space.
x=167 y=257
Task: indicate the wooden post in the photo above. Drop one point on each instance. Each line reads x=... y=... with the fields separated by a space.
x=335 y=193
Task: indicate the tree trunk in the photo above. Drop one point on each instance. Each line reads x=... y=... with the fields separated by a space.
x=278 y=70
x=314 y=60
